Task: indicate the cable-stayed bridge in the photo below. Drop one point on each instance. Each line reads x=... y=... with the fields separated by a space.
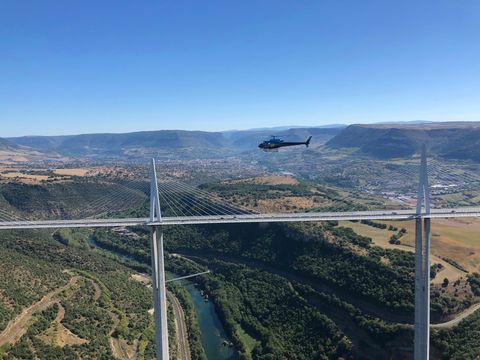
x=170 y=202
x=245 y=218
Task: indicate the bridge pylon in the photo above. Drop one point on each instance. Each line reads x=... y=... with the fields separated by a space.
x=158 y=269
x=422 y=265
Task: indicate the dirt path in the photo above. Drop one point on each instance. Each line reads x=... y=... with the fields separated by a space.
x=115 y=345
x=458 y=317
x=119 y=349
x=181 y=327
x=98 y=290
x=17 y=327
x=58 y=335
x=60 y=313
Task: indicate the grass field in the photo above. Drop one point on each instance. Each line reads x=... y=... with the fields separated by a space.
x=249 y=342
x=267 y=180
x=72 y=172
x=457 y=239
x=25 y=178
x=380 y=238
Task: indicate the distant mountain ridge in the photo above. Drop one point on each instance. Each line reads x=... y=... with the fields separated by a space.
x=455 y=140
x=137 y=144
x=11 y=152
x=166 y=143
x=289 y=127
x=5 y=144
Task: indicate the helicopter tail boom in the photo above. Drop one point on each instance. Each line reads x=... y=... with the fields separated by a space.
x=308 y=141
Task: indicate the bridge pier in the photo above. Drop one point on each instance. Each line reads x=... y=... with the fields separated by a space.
x=159 y=293
x=422 y=266
x=158 y=270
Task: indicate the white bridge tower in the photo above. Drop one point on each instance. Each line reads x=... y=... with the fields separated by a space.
x=158 y=270
x=422 y=265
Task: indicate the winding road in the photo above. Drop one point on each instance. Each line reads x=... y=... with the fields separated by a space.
x=17 y=327
x=457 y=319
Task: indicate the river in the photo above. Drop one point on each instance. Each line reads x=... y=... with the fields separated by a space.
x=211 y=329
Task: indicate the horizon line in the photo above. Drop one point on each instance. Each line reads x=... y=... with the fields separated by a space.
x=260 y=128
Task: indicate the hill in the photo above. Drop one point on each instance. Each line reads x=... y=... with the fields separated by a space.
x=5 y=144
x=448 y=140
x=130 y=144
x=10 y=152
x=165 y=143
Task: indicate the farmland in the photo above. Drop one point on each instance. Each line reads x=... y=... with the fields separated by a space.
x=456 y=239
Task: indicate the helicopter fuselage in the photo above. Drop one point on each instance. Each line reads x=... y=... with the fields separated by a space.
x=276 y=143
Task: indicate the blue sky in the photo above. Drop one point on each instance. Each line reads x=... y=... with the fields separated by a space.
x=83 y=66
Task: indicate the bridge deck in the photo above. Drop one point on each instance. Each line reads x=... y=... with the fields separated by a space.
x=246 y=218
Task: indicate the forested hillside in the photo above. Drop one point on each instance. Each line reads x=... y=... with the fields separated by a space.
x=283 y=291
x=364 y=286
x=100 y=301
x=245 y=276
x=75 y=198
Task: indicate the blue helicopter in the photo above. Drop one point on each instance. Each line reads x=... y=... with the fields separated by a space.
x=275 y=142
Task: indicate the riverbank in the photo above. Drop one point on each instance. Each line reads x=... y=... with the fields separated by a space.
x=212 y=332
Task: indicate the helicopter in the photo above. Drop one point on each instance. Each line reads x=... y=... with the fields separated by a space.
x=275 y=142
